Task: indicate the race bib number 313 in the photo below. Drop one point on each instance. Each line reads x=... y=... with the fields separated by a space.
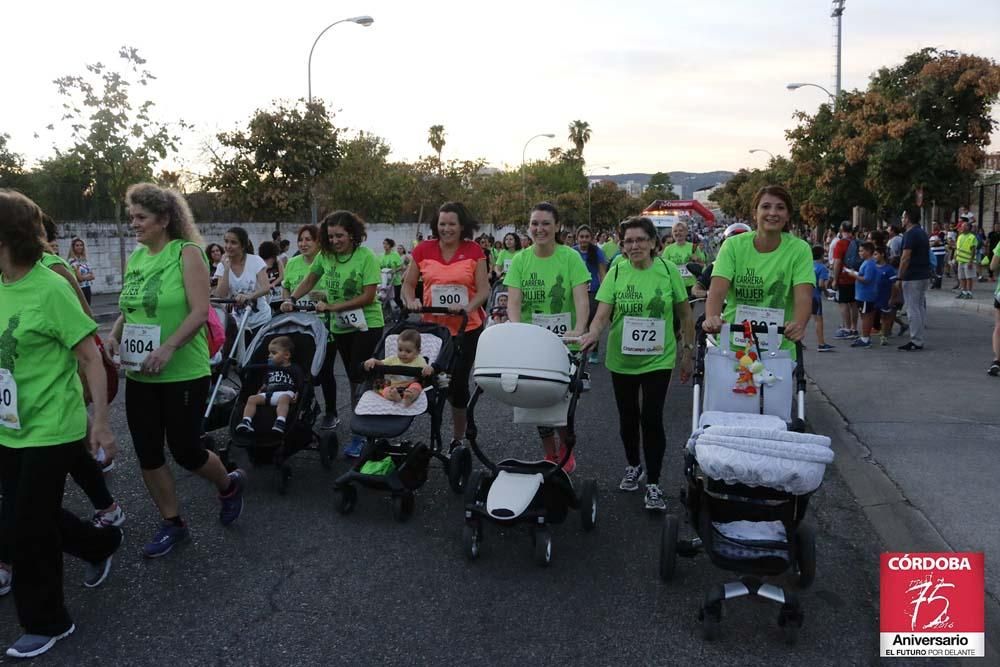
x=8 y=401
x=352 y=319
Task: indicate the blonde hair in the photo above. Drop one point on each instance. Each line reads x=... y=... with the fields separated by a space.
x=169 y=203
x=71 y=254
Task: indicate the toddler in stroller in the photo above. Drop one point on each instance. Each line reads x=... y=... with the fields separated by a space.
x=750 y=473
x=267 y=438
x=401 y=468
x=401 y=388
x=281 y=388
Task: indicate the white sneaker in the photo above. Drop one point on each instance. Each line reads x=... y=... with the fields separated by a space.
x=633 y=476
x=654 y=498
x=5 y=579
x=112 y=517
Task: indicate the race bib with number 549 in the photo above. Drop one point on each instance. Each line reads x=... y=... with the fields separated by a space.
x=558 y=324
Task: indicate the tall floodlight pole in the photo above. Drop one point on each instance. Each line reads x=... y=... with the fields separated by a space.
x=837 y=15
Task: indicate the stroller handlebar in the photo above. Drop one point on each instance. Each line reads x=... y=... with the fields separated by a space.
x=232 y=302
x=410 y=371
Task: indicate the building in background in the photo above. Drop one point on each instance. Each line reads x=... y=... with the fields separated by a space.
x=701 y=195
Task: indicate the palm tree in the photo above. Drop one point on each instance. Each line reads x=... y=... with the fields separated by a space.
x=579 y=135
x=435 y=137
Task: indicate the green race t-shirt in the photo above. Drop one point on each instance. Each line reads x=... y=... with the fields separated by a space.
x=680 y=255
x=547 y=283
x=153 y=294
x=637 y=295
x=610 y=249
x=295 y=272
x=504 y=259
x=41 y=397
x=392 y=260
x=761 y=285
x=344 y=278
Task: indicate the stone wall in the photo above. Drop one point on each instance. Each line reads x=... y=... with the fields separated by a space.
x=103 y=247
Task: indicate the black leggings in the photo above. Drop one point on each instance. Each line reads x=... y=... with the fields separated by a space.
x=87 y=474
x=653 y=386
x=459 y=387
x=171 y=409
x=397 y=295
x=355 y=349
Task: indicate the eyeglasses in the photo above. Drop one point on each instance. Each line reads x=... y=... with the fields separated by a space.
x=635 y=241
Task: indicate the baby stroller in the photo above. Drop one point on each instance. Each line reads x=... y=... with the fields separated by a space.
x=750 y=471
x=225 y=380
x=544 y=388
x=263 y=445
x=496 y=307
x=378 y=419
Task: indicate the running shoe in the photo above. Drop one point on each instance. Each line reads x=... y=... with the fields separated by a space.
x=825 y=347
x=910 y=347
x=232 y=502
x=167 y=537
x=570 y=465
x=994 y=370
x=329 y=423
x=94 y=574
x=861 y=342
x=108 y=518
x=245 y=426
x=842 y=334
x=29 y=646
x=5 y=579
x=633 y=475
x=353 y=449
x=654 y=498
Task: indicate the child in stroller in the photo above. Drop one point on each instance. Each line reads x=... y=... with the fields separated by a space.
x=281 y=388
x=401 y=388
x=401 y=468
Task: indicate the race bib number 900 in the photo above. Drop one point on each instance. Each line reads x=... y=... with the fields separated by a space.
x=445 y=296
x=8 y=401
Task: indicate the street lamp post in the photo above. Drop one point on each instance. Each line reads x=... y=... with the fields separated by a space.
x=590 y=207
x=796 y=86
x=524 y=182
x=837 y=15
x=761 y=150
x=364 y=21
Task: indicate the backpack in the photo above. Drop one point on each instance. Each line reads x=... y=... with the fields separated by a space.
x=852 y=258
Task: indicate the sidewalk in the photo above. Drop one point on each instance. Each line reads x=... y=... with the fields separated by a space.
x=916 y=432
x=105 y=307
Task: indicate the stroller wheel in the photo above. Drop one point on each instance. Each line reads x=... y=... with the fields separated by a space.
x=472 y=534
x=543 y=546
x=402 y=506
x=459 y=467
x=348 y=499
x=284 y=478
x=805 y=555
x=588 y=505
x=328 y=448
x=472 y=487
x=668 y=547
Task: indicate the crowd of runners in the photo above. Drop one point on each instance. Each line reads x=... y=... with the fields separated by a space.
x=633 y=288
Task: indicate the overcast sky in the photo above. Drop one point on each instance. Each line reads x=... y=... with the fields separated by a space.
x=664 y=85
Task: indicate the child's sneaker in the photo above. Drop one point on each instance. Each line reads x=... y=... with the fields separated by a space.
x=633 y=475
x=107 y=518
x=245 y=426
x=654 y=498
x=279 y=426
x=825 y=347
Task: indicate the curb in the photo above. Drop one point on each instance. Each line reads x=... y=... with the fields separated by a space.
x=896 y=521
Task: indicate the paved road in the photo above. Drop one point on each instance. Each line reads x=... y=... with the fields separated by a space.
x=295 y=583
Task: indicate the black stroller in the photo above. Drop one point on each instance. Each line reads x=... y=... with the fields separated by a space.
x=224 y=368
x=544 y=388
x=263 y=445
x=378 y=420
x=755 y=529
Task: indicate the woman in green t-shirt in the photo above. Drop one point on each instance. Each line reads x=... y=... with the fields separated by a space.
x=349 y=274
x=547 y=285
x=391 y=259
x=641 y=298
x=765 y=276
x=160 y=338
x=44 y=338
x=682 y=252
x=511 y=246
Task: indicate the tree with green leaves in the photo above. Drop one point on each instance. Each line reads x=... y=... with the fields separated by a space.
x=116 y=140
x=267 y=170
x=579 y=135
x=435 y=137
x=365 y=182
x=11 y=164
